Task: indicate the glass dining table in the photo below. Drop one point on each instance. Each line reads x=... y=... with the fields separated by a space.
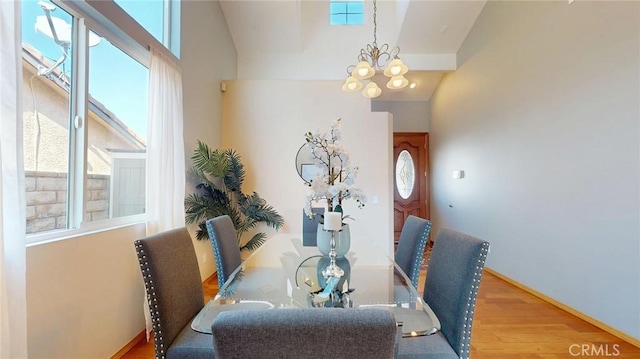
x=283 y=273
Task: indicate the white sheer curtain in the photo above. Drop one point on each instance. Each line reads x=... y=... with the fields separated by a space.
x=165 y=146
x=165 y=174
x=13 y=303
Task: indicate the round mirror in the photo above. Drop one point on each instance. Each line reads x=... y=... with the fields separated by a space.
x=304 y=164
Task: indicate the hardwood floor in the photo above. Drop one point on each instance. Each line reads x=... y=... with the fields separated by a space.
x=144 y=349
x=509 y=323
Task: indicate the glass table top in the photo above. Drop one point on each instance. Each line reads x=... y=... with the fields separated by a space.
x=283 y=273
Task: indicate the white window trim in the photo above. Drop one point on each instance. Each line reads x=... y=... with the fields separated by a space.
x=87 y=229
x=128 y=35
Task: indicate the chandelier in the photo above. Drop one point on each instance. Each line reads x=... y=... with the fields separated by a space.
x=373 y=59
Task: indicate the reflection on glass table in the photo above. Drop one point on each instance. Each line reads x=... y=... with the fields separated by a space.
x=285 y=274
x=324 y=291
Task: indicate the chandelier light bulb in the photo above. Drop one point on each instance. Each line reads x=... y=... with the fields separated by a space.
x=397 y=82
x=372 y=90
x=396 y=68
x=351 y=84
x=363 y=70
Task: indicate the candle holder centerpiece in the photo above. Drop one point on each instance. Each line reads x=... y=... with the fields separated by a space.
x=333 y=224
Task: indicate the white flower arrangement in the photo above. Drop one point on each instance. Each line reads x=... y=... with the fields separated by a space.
x=335 y=178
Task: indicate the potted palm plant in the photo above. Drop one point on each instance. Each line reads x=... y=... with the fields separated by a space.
x=219 y=175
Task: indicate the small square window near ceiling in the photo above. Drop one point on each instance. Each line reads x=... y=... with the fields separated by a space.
x=346 y=12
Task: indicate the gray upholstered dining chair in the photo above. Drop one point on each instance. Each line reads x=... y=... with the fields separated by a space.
x=451 y=288
x=171 y=276
x=413 y=239
x=305 y=333
x=226 y=250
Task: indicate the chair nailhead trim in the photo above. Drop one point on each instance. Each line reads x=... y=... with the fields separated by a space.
x=419 y=253
x=158 y=340
x=465 y=343
x=215 y=243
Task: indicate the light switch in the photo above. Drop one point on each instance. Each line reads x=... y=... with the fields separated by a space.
x=458 y=174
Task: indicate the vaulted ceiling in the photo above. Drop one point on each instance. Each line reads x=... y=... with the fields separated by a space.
x=292 y=39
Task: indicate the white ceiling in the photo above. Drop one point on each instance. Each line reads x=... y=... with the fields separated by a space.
x=292 y=39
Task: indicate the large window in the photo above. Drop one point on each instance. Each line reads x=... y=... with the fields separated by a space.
x=85 y=119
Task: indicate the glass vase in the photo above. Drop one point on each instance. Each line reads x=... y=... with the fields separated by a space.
x=343 y=241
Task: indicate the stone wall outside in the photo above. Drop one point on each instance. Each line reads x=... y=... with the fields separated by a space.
x=46 y=196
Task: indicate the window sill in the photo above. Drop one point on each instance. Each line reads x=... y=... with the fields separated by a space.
x=86 y=229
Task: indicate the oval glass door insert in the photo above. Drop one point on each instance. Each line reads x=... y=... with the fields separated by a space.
x=405 y=174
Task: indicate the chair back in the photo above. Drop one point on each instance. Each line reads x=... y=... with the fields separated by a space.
x=413 y=239
x=226 y=249
x=171 y=276
x=310 y=226
x=305 y=333
x=451 y=287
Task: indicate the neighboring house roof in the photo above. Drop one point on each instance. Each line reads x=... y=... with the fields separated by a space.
x=61 y=82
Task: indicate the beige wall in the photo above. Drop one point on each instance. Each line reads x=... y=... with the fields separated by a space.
x=265 y=121
x=408 y=116
x=46 y=137
x=208 y=57
x=542 y=115
x=84 y=295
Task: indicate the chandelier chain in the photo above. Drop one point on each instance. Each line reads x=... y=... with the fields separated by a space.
x=375 y=23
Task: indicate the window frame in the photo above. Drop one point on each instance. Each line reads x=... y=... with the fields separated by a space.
x=121 y=30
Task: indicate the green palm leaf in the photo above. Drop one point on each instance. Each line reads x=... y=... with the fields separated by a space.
x=234 y=176
x=255 y=242
x=258 y=210
x=214 y=163
x=219 y=175
x=200 y=207
x=201 y=233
